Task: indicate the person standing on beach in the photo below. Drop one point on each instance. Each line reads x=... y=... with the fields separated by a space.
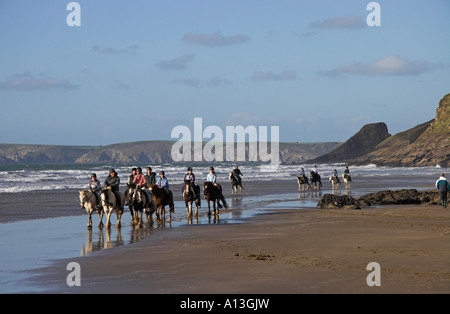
x=443 y=186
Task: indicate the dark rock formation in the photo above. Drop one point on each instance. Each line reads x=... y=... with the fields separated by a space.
x=358 y=145
x=338 y=201
x=387 y=197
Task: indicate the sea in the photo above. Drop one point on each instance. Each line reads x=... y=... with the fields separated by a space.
x=27 y=177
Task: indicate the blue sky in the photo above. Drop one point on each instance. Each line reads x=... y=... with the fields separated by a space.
x=136 y=69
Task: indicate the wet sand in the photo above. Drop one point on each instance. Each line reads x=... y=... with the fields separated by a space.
x=282 y=250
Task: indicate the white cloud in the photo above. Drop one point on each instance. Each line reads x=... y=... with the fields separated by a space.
x=341 y=22
x=215 y=40
x=176 y=64
x=268 y=76
x=27 y=82
x=389 y=65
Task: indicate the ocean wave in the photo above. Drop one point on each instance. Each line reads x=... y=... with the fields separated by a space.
x=44 y=178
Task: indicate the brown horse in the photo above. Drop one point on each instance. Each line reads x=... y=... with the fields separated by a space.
x=303 y=182
x=189 y=199
x=212 y=194
x=162 y=198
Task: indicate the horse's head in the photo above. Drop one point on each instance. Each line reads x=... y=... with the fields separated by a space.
x=83 y=197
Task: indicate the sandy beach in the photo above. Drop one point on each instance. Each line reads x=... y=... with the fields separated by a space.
x=283 y=249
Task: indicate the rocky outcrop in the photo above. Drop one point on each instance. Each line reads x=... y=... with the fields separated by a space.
x=363 y=142
x=338 y=201
x=387 y=197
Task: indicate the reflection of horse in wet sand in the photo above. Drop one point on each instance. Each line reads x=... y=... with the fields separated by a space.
x=212 y=194
x=335 y=182
x=162 y=198
x=112 y=202
x=303 y=182
x=141 y=201
x=90 y=201
x=347 y=180
x=315 y=178
x=235 y=183
x=189 y=199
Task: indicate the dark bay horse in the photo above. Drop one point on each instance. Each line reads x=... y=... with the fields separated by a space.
x=315 y=177
x=235 y=183
x=188 y=197
x=303 y=181
x=212 y=194
x=162 y=198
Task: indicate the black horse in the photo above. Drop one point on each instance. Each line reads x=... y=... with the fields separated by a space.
x=315 y=177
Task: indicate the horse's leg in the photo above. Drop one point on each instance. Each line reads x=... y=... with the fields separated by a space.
x=140 y=217
x=119 y=213
x=100 y=216
x=108 y=217
x=89 y=225
x=209 y=208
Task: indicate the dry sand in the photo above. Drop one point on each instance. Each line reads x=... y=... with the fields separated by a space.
x=282 y=252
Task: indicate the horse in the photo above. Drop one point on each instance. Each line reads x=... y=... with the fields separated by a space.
x=162 y=198
x=302 y=181
x=347 y=180
x=212 y=193
x=129 y=200
x=110 y=203
x=90 y=202
x=235 y=183
x=315 y=177
x=142 y=202
x=335 y=181
x=188 y=197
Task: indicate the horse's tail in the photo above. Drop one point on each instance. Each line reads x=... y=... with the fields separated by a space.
x=222 y=198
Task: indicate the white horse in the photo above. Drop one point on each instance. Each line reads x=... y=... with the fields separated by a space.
x=110 y=203
x=335 y=183
x=90 y=202
x=347 y=180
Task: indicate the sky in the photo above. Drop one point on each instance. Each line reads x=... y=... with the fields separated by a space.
x=135 y=70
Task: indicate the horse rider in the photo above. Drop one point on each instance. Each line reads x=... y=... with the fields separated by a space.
x=237 y=173
x=139 y=178
x=302 y=174
x=347 y=173
x=211 y=177
x=132 y=176
x=150 y=177
x=191 y=178
x=162 y=181
x=95 y=187
x=316 y=172
x=335 y=174
x=113 y=181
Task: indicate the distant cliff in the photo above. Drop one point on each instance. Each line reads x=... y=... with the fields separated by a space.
x=363 y=142
x=145 y=152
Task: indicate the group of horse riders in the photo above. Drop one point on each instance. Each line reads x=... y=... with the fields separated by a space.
x=137 y=178
x=315 y=174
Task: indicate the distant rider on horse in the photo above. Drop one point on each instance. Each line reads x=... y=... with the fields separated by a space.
x=95 y=187
x=237 y=173
x=316 y=173
x=113 y=181
x=150 y=177
x=191 y=178
x=162 y=181
x=211 y=177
